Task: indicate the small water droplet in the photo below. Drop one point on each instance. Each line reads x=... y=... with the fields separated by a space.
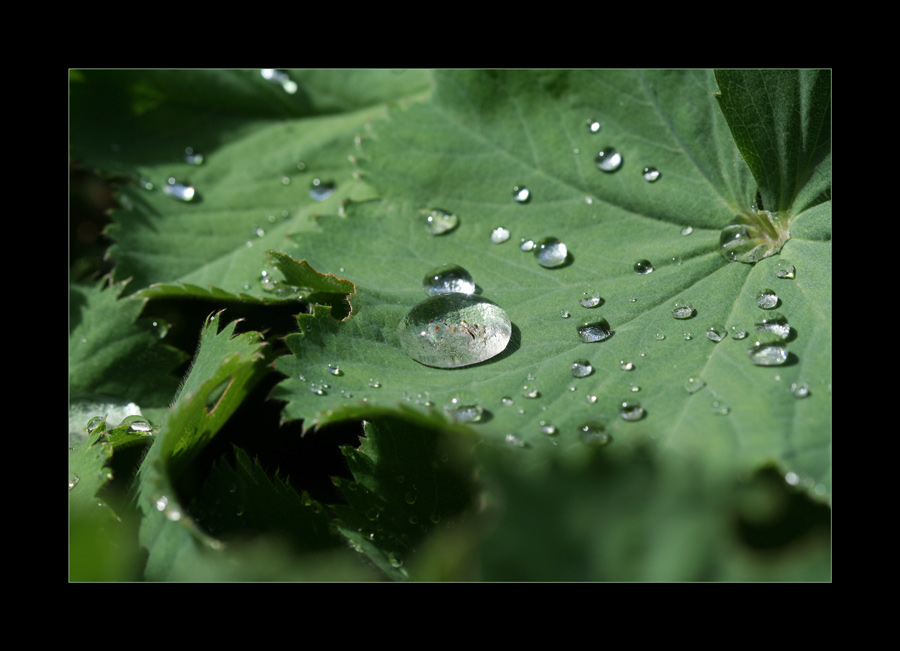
x=682 y=310
x=321 y=190
x=179 y=190
x=516 y=441
x=530 y=391
x=521 y=194
x=799 y=389
x=687 y=230
x=608 y=159
x=591 y=332
x=375 y=384
x=564 y=314
x=591 y=399
x=581 y=368
x=454 y=330
x=774 y=324
x=626 y=366
x=594 y=433
x=635 y=388
x=526 y=245
x=650 y=174
x=448 y=279
x=737 y=332
x=192 y=157
x=279 y=77
x=590 y=298
x=438 y=222
x=643 y=267
x=334 y=369
x=507 y=401
x=719 y=409
x=688 y=336
x=716 y=333
x=631 y=410
x=593 y=125
x=659 y=336
x=785 y=270
x=694 y=384
x=548 y=429
x=767 y=354
x=139 y=427
x=460 y=413
x=73 y=482
x=767 y=299
x=550 y=252
x=499 y=235
x=94 y=423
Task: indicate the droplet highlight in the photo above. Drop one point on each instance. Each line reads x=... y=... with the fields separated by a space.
x=521 y=194
x=643 y=267
x=179 y=191
x=650 y=174
x=767 y=299
x=499 y=235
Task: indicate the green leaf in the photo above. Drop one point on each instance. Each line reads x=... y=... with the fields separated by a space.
x=225 y=369
x=483 y=133
x=781 y=122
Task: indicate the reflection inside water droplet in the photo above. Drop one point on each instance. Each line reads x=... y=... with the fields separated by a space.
x=591 y=332
x=784 y=270
x=767 y=299
x=499 y=235
x=581 y=368
x=550 y=252
x=767 y=354
x=682 y=310
x=521 y=194
x=643 y=267
x=590 y=298
x=438 y=222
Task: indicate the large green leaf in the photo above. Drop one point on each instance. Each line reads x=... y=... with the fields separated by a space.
x=484 y=133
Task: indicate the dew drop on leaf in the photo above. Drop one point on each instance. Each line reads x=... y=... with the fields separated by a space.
x=651 y=174
x=694 y=384
x=454 y=330
x=591 y=332
x=594 y=433
x=774 y=324
x=521 y=194
x=593 y=125
x=526 y=245
x=448 y=279
x=785 y=270
x=608 y=159
x=767 y=299
x=460 y=413
x=799 y=389
x=767 y=354
x=438 y=222
x=548 y=429
x=631 y=410
x=687 y=230
x=321 y=190
x=682 y=310
x=179 y=191
x=550 y=252
x=499 y=235
x=716 y=333
x=590 y=298
x=643 y=267
x=581 y=368
x=192 y=157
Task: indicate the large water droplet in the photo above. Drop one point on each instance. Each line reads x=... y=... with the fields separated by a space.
x=321 y=190
x=590 y=298
x=453 y=330
x=608 y=159
x=785 y=270
x=682 y=310
x=448 y=279
x=591 y=332
x=752 y=236
x=550 y=252
x=767 y=299
x=521 y=194
x=767 y=354
x=179 y=191
x=650 y=174
x=499 y=235
x=643 y=267
x=582 y=368
x=774 y=324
